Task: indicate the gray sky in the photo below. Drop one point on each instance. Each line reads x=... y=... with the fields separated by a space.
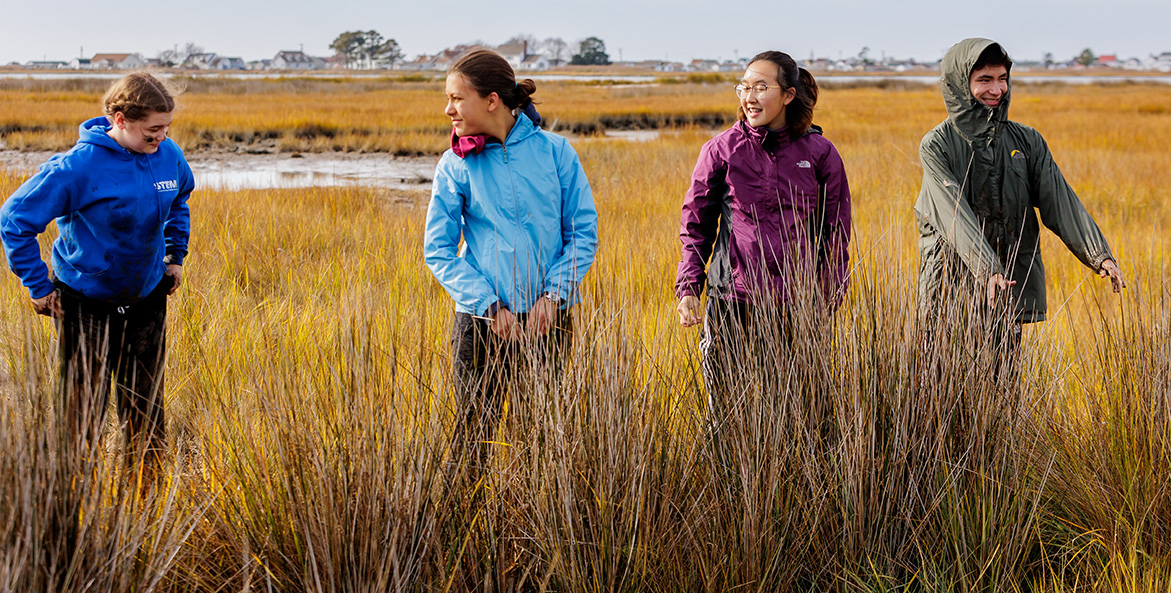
x=637 y=29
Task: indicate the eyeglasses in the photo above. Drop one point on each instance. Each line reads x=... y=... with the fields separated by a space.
x=758 y=89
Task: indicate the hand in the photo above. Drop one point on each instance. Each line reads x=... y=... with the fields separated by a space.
x=174 y=271
x=689 y=311
x=48 y=305
x=997 y=281
x=541 y=317
x=1110 y=270
x=505 y=326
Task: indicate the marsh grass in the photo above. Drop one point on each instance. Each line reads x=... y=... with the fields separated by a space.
x=311 y=409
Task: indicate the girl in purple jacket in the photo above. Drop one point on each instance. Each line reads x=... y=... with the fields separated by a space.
x=770 y=206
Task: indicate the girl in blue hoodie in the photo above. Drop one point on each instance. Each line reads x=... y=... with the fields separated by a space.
x=519 y=200
x=119 y=198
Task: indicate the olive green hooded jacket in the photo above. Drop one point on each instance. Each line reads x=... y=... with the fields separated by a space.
x=985 y=178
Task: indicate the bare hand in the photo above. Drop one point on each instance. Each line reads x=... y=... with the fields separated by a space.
x=1110 y=270
x=48 y=305
x=689 y=311
x=541 y=317
x=505 y=326
x=997 y=282
x=174 y=271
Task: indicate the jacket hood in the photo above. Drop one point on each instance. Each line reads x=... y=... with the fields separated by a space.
x=972 y=118
x=94 y=131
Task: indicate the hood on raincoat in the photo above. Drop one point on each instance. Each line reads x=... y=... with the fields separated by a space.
x=971 y=117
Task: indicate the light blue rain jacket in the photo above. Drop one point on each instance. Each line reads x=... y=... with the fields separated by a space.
x=526 y=215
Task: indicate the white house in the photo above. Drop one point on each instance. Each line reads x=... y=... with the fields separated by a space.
x=534 y=62
x=296 y=60
x=116 y=61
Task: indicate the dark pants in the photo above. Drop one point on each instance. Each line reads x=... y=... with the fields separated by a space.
x=738 y=338
x=97 y=341
x=484 y=366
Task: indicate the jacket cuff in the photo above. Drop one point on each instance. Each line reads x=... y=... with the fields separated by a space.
x=685 y=290
x=494 y=308
x=44 y=290
x=173 y=258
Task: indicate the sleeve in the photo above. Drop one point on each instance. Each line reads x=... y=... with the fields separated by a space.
x=177 y=229
x=834 y=254
x=579 y=228
x=441 y=238
x=1061 y=210
x=942 y=206
x=700 y=221
x=25 y=215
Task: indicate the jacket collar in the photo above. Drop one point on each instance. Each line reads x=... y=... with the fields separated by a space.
x=524 y=127
x=764 y=137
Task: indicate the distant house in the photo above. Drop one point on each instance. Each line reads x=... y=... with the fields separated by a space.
x=200 y=61
x=703 y=66
x=45 y=65
x=296 y=60
x=515 y=53
x=116 y=61
x=1162 y=62
x=79 y=64
x=534 y=62
x=211 y=61
x=1108 y=60
x=737 y=66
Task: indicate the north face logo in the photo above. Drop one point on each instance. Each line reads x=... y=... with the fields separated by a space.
x=804 y=165
x=171 y=185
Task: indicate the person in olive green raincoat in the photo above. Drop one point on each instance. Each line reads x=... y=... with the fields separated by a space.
x=985 y=178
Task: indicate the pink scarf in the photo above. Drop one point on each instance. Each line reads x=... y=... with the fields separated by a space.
x=462 y=146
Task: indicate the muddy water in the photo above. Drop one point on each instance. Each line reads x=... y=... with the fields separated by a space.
x=230 y=171
x=233 y=172
x=254 y=171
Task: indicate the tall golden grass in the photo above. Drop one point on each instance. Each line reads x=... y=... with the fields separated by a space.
x=310 y=406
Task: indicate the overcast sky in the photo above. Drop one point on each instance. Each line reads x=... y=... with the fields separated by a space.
x=678 y=30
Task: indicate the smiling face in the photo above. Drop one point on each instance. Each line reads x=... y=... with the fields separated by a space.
x=989 y=84
x=144 y=135
x=768 y=109
x=470 y=113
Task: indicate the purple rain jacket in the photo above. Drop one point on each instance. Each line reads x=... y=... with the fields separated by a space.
x=775 y=211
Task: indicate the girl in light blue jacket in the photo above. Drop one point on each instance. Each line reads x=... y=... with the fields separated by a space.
x=520 y=201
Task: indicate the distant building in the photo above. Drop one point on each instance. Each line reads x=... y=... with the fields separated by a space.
x=704 y=66
x=79 y=64
x=534 y=62
x=1162 y=62
x=211 y=61
x=116 y=61
x=45 y=65
x=296 y=60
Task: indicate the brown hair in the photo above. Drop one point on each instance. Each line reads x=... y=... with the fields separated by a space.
x=993 y=55
x=136 y=95
x=799 y=111
x=487 y=72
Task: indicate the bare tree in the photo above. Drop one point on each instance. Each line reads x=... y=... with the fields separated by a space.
x=555 y=49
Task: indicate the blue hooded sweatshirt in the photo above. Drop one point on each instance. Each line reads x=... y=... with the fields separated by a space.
x=525 y=213
x=121 y=218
